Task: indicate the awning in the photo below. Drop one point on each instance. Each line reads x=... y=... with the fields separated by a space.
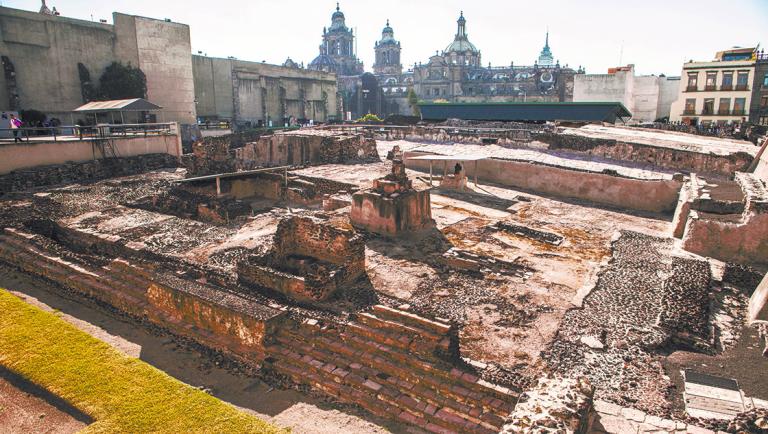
x=118 y=105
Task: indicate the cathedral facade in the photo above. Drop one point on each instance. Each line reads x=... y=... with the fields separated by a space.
x=455 y=74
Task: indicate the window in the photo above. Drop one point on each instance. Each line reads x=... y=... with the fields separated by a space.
x=741 y=80
x=764 y=102
x=709 y=106
x=711 y=80
x=690 y=106
x=727 y=80
x=725 y=106
x=765 y=80
x=763 y=120
x=693 y=81
x=738 y=106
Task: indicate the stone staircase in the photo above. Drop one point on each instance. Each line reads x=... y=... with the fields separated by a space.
x=391 y=363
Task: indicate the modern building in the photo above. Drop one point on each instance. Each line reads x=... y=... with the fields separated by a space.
x=253 y=94
x=647 y=97
x=719 y=91
x=758 y=109
x=50 y=61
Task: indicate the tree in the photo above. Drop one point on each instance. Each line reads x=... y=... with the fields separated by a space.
x=122 y=82
x=413 y=102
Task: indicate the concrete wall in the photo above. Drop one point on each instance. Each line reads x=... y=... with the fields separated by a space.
x=647 y=97
x=30 y=154
x=45 y=51
x=252 y=92
x=668 y=92
x=658 y=196
x=162 y=50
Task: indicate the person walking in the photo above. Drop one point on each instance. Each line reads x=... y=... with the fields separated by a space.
x=15 y=124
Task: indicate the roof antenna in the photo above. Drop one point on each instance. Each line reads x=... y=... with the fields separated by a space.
x=621 y=53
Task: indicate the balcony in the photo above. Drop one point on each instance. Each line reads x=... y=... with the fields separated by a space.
x=742 y=87
x=710 y=87
x=739 y=112
x=691 y=88
x=707 y=112
x=689 y=112
x=726 y=87
x=724 y=112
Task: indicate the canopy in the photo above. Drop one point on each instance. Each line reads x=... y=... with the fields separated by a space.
x=530 y=111
x=119 y=105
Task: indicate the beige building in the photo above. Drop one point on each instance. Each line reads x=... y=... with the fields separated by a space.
x=253 y=94
x=48 y=59
x=719 y=91
x=647 y=97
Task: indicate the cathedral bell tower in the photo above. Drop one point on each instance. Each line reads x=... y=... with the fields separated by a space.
x=387 y=54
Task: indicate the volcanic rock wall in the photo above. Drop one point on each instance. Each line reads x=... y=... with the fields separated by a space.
x=292 y=148
x=668 y=158
x=25 y=179
x=469 y=135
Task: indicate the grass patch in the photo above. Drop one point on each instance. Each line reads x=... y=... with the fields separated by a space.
x=120 y=393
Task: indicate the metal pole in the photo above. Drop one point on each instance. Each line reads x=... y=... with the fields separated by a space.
x=476 y=174
x=430 y=173
x=218 y=186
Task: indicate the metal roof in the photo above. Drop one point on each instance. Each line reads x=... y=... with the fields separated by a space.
x=526 y=111
x=119 y=105
x=449 y=157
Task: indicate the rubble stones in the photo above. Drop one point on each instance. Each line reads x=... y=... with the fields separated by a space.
x=554 y=405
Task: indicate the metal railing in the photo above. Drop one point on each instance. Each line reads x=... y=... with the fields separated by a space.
x=83 y=132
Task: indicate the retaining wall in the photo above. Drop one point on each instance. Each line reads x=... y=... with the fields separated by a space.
x=32 y=154
x=659 y=196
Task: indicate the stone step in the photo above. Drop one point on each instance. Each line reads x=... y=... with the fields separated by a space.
x=423 y=387
x=406 y=365
x=319 y=374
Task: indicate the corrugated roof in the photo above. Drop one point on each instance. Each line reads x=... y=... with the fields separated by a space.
x=118 y=105
x=555 y=111
x=449 y=157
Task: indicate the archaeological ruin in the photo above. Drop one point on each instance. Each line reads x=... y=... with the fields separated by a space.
x=539 y=278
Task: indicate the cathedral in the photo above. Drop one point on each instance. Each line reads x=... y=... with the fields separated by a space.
x=455 y=74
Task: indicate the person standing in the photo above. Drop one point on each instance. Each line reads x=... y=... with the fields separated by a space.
x=15 y=124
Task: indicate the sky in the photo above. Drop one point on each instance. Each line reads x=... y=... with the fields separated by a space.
x=657 y=36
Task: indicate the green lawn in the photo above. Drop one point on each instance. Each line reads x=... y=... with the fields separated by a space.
x=120 y=393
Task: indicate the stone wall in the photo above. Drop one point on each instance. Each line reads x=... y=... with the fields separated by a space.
x=391 y=363
x=26 y=179
x=469 y=135
x=402 y=214
x=667 y=158
x=311 y=260
x=554 y=405
x=740 y=237
x=261 y=92
x=297 y=148
x=658 y=196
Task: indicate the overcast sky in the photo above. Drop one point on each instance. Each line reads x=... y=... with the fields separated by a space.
x=656 y=35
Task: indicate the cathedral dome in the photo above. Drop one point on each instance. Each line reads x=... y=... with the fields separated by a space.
x=323 y=62
x=461 y=42
x=461 y=46
x=387 y=35
x=337 y=20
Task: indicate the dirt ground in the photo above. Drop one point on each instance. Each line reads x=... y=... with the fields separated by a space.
x=20 y=412
x=25 y=408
